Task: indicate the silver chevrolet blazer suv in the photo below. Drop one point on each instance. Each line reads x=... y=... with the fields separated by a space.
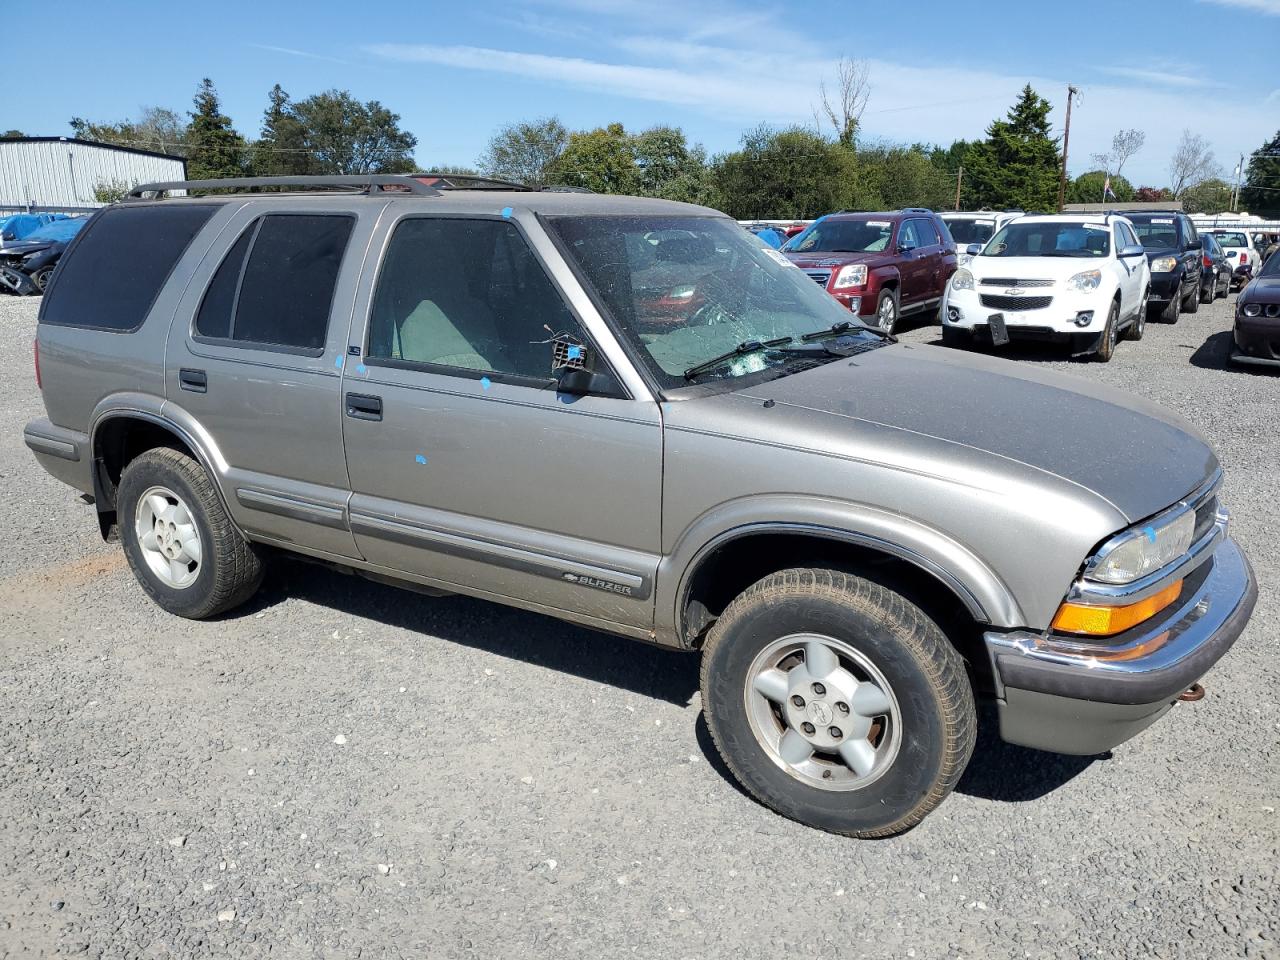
x=630 y=414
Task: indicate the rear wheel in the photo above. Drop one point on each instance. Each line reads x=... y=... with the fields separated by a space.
x=178 y=539
x=837 y=702
x=1208 y=295
x=1221 y=291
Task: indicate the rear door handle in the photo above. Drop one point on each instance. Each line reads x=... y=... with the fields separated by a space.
x=362 y=406
x=196 y=381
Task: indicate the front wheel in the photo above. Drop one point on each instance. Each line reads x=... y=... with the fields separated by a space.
x=178 y=538
x=1192 y=303
x=1139 y=325
x=887 y=310
x=1107 y=345
x=41 y=278
x=837 y=702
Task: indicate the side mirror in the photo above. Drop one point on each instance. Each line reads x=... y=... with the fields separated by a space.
x=1193 y=245
x=1132 y=250
x=575 y=373
x=973 y=249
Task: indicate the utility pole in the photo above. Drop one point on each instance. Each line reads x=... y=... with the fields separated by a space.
x=1066 y=139
x=959 y=180
x=1235 y=194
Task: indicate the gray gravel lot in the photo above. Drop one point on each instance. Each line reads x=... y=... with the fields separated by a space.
x=348 y=770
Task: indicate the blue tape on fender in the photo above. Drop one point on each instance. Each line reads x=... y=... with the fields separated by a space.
x=485 y=383
x=506 y=211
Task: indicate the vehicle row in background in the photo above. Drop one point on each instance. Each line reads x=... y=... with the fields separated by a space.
x=978 y=226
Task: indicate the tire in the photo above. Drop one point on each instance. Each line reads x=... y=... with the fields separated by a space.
x=1170 y=312
x=887 y=310
x=1192 y=303
x=1208 y=296
x=41 y=278
x=1139 y=325
x=956 y=337
x=1107 y=347
x=1221 y=292
x=165 y=498
x=911 y=755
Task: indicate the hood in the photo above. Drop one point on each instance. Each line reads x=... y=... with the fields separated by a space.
x=20 y=248
x=819 y=260
x=1130 y=452
x=1262 y=289
x=1155 y=252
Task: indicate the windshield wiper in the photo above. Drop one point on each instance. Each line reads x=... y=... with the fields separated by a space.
x=844 y=326
x=741 y=350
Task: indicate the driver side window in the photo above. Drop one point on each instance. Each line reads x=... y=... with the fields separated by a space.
x=466 y=294
x=907 y=237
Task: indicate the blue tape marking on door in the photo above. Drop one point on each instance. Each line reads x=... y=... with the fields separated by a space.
x=485 y=383
x=362 y=369
x=420 y=459
x=337 y=362
x=506 y=211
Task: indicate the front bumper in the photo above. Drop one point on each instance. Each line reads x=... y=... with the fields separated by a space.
x=1165 y=287
x=1090 y=700
x=1257 y=340
x=964 y=310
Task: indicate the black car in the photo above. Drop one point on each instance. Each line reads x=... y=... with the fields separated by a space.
x=1257 y=326
x=1216 y=272
x=1173 y=249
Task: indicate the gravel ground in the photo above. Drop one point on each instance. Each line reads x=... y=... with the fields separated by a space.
x=348 y=770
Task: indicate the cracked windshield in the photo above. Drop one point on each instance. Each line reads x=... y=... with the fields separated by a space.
x=691 y=290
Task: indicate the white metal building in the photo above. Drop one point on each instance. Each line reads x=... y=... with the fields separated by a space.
x=61 y=173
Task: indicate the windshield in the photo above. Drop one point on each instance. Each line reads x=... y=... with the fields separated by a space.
x=686 y=289
x=1024 y=238
x=1159 y=233
x=1272 y=267
x=1231 y=239
x=842 y=236
x=970 y=231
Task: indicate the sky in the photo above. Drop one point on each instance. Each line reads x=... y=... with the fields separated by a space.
x=455 y=71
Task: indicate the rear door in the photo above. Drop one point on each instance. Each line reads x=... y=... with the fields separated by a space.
x=467 y=467
x=255 y=362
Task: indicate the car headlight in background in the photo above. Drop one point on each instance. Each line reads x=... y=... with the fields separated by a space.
x=1144 y=550
x=851 y=275
x=1088 y=280
x=1252 y=309
x=962 y=279
x=1164 y=264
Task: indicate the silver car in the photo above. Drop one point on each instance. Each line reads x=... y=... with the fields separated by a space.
x=630 y=414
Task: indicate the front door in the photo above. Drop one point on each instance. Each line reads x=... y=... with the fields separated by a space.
x=467 y=466
x=254 y=363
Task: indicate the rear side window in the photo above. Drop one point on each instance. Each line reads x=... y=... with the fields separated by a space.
x=275 y=285
x=119 y=263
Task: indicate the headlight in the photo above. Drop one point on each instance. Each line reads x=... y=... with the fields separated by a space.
x=962 y=259
x=962 y=279
x=851 y=275
x=1089 y=280
x=1252 y=309
x=1143 y=550
x=1164 y=264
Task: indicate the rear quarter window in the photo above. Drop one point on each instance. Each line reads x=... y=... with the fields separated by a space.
x=118 y=264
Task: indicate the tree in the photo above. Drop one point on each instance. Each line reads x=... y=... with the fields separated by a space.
x=844 y=110
x=1017 y=165
x=12 y=135
x=109 y=191
x=602 y=160
x=216 y=149
x=157 y=129
x=1123 y=146
x=282 y=148
x=890 y=177
x=668 y=167
x=950 y=162
x=523 y=151
x=783 y=174
x=1192 y=163
x=1152 y=194
x=1261 y=189
x=344 y=136
x=1088 y=188
x=1207 y=196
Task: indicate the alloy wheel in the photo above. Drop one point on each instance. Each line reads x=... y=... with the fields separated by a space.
x=169 y=537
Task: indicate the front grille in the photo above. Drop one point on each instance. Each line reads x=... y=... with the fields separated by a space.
x=1014 y=303
x=1206 y=516
x=819 y=277
x=1014 y=282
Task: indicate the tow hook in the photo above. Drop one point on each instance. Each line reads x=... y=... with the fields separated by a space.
x=1192 y=693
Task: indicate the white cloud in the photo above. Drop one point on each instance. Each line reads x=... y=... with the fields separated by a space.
x=1160 y=77
x=299 y=53
x=1269 y=7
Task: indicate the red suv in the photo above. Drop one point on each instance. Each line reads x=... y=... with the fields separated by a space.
x=882 y=266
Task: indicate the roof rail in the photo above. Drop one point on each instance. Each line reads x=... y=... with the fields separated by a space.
x=354 y=183
x=466 y=181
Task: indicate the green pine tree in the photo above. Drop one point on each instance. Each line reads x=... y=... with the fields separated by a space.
x=216 y=149
x=1017 y=165
x=1261 y=190
x=281 y=150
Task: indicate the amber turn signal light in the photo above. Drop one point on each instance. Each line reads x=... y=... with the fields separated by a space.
x=1106 y=621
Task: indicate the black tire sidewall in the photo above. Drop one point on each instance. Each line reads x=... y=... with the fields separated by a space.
x=140 y=476
x=914 y=771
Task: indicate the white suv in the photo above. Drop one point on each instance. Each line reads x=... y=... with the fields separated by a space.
x=1078 y=278
x=975 y=226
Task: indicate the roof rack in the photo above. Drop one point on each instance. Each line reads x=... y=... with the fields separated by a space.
x=916 y=210
x=466 y=181
x=355 y=183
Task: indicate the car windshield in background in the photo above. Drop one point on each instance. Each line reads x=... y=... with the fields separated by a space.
x=1158 y=234
x=1023 y=239
x=843 y=236
x=1232 y=239
x=970 y=231
x=685 y=290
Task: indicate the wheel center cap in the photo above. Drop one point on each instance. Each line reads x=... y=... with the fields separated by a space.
x=820 y=712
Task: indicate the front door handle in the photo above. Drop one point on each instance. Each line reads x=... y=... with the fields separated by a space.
x=363 y=406
x=196 y=381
